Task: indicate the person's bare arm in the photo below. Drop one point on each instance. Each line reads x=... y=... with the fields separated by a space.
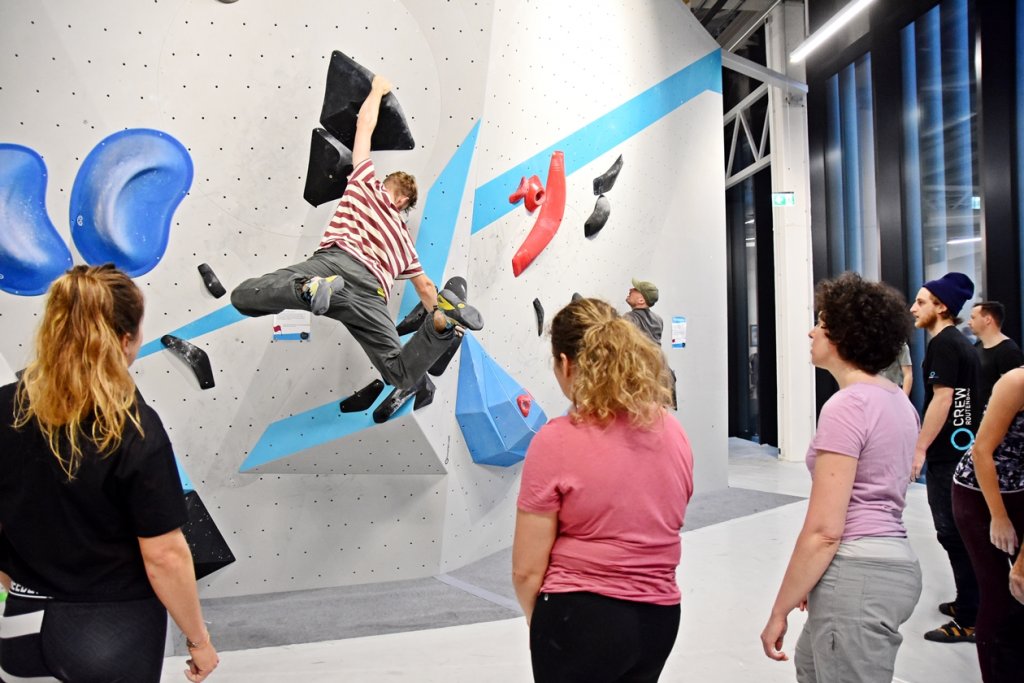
x=1003 y=406
x=1017 y=579
x=531 y=553
x=931 y=425
x=908 y=379
x=169 y=567
x=366 y=122
x=816 y=545
x=426 y=290
x=5 y=581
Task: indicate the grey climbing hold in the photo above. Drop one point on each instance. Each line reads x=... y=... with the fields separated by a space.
x=602 y=208
x=603 y=183
x=194 y=356
x=539 y=310
x=211 y=281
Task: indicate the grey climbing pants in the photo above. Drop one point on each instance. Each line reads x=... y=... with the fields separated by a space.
x=359 y=306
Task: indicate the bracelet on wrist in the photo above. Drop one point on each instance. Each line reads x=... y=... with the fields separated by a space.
x=195 y=645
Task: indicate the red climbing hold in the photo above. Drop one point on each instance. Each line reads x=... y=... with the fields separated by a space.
x=550 y=217
x=530 y=191
x=525 y=402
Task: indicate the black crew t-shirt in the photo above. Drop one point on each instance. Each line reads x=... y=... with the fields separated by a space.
x=996 y=362
x=950 y=361
x=78 y=540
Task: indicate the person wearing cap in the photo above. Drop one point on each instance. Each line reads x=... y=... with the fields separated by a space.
x=951 y=417
x=642 y=296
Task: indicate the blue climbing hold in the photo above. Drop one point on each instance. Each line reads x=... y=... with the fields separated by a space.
x=32 y=253
x=124 y=198
x=497 y=416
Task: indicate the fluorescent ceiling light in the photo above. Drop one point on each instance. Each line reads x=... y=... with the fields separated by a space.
x=964 y=240
x=828 y=29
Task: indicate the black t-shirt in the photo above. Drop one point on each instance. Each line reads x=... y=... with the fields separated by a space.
x=78 y=540
x=995 y=362
x=950 y=361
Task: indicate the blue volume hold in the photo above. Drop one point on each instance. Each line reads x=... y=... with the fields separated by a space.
x=124 y=198
x=32 y=253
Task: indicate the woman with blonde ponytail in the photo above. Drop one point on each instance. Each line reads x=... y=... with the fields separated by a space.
x=91 y=505
x=603 y=496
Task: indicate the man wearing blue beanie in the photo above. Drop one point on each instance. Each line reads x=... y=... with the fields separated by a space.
x=951 y=417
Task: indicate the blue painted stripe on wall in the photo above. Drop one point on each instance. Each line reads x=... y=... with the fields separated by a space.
x=314 y=427
x=222 y=317
x=440 y=215
x=186 y=484
x=602 y=134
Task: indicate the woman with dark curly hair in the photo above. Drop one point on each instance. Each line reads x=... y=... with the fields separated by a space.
x=602 y=499
x=853 y=568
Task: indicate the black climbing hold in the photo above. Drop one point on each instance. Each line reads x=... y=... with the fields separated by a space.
x=412 y=321
x=441 y=364
x=210 y=551
x=425 y=394
x=194 y=356
x=539 y=310
x=576 y=296
x=395 y=400
x=598 y=218
x=362 y=399
x=210 y=280
x=603 y=183
x=330 y=164
x=303 y=335
x=348 y=84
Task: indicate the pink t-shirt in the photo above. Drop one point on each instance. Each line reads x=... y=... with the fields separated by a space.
x=878 y=426
x=621 y=495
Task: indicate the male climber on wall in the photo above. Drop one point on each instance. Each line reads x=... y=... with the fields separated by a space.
x=365 y=248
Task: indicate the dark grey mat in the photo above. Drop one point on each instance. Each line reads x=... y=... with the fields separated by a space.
x=375 y=609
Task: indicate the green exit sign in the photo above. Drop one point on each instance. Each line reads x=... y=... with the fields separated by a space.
x=783 y=199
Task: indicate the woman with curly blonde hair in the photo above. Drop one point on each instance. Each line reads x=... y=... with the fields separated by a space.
x=603 y=496
x=91 y=505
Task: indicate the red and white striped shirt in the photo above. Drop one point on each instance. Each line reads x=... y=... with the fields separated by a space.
x=368 y=227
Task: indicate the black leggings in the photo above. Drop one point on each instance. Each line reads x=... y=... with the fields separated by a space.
x=1000 y=626
x=88 y=642
x=591 y=638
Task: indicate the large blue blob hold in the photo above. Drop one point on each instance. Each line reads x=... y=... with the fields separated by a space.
x=497 y=416
x=32 y=253
x=124 y=198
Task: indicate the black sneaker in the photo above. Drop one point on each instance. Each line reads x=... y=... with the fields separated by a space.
x=951 y=632
x=458 y=311
x=948 y=608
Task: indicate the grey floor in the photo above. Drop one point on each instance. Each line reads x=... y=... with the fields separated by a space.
x=479 y=592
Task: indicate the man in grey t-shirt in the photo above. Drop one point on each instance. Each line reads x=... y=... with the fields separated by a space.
x=642 y=295
x=901 y=372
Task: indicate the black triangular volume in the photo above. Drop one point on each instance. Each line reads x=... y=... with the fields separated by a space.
x=330 y=164
x=362 y=399
x=348 y=84
x=441 y=364
x=210 y=551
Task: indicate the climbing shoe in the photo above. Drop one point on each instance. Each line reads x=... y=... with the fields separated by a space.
x=951 y=632
x=318 y=291
x=458 y=311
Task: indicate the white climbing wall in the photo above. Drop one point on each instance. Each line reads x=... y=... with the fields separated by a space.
x=241 y=86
